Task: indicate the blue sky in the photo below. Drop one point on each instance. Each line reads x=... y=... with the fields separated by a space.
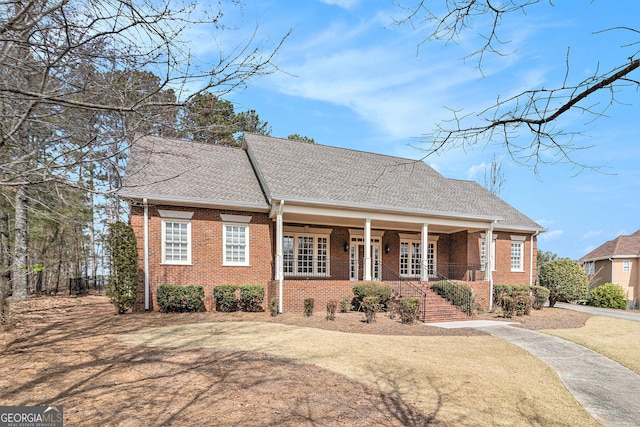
x=352 y=79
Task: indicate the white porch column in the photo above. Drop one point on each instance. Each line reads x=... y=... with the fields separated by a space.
x=424 y=245
x=279 y=255
x=488 y=248
x=146 y=254
x=367 y=249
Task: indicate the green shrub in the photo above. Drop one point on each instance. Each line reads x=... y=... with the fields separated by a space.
x=122 y=289
x=540 y=296
x=393 y=308
x=565 y=279
x=251 y=297
x=370 y=304
x=461 y=295
x=409 y=310
x=608 y=295
x=368 y=289
x=508 y=305
x=308 y=307
x=332 y=306
x=225 y=296
x=176 y=298
x=513 y=299
x=273 y=306
x=345 y=305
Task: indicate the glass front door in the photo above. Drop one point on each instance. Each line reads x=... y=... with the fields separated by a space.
x=357 y=262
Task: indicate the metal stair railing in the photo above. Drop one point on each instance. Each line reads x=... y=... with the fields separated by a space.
x=459 y=295
x=404 y=288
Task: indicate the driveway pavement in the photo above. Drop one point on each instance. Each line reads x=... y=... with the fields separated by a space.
x=597 y=311
x=606 y=389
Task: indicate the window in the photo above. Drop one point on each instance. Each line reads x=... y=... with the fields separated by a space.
x=176 y=242
x=516 y=256
x=626 y=266
x=235 y=240
x=306 y=251
x=483 y=253
x=411 y=258
x=589 y=268
x=176 y=237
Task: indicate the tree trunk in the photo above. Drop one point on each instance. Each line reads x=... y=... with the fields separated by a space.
x=5 y=260
x=19 y=269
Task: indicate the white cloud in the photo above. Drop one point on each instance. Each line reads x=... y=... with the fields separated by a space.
x=591 y=234
x=551 y=235
x=345 y=4
x=477 y=169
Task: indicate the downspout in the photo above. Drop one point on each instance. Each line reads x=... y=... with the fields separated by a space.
x=146 y=254
x=279 y=254
x=531 y=259
x=487 y=245
x=612 y=267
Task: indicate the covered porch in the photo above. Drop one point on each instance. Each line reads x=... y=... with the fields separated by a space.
x=324 y=250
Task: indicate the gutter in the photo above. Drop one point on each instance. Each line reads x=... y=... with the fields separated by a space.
x=146 y=254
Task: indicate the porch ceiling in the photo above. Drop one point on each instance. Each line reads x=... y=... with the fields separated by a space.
x=379 y=224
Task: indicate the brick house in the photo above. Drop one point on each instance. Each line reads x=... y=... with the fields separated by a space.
x=616 y=261
x=308 y=220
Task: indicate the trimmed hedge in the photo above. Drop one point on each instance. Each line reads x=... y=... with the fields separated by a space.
x=409 y=310
x=540 y=296
x=251 y=297
x=516 y=300
x=176 y=298
x=225 y=296
x=461 y=295
x=372 y=289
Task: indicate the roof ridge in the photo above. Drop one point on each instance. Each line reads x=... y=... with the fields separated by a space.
x=315 y=144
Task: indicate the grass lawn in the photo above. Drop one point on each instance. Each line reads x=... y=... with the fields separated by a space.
x=615 y=338
x=464 y=381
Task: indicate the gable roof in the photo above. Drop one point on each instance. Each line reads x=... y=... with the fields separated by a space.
x=270 y=169
x=169 y=170
x=320 y=174
x=621 y=246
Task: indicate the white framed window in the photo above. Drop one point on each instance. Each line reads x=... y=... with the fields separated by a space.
x=411 y=257
x=483 y=252
x=235 y=243
x=176 y=241
x=235 y=240
x=306 y=251
x=517 y=253
x=626 y=266
x=176 y=237
x=589 y=268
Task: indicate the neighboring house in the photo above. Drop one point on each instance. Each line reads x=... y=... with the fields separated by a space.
x=308 y=220
x=616 y=261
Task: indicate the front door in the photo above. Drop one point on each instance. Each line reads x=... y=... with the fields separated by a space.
x=357 y=262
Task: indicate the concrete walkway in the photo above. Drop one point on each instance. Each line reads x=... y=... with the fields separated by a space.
x=597 y=311
x=606 y=389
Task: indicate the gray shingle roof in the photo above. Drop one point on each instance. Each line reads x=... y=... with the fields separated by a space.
x=189 y=172
x=294 y=170
x=620 y=246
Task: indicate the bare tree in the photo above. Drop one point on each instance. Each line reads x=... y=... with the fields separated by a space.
x=64 y=99
x=494 y=179
x=527 y=123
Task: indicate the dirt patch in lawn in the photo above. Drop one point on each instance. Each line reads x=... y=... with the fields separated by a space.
x=71 y=351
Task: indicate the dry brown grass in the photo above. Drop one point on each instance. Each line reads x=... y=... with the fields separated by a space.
x=251 y=369
x=465 y=381
x=615 y=338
